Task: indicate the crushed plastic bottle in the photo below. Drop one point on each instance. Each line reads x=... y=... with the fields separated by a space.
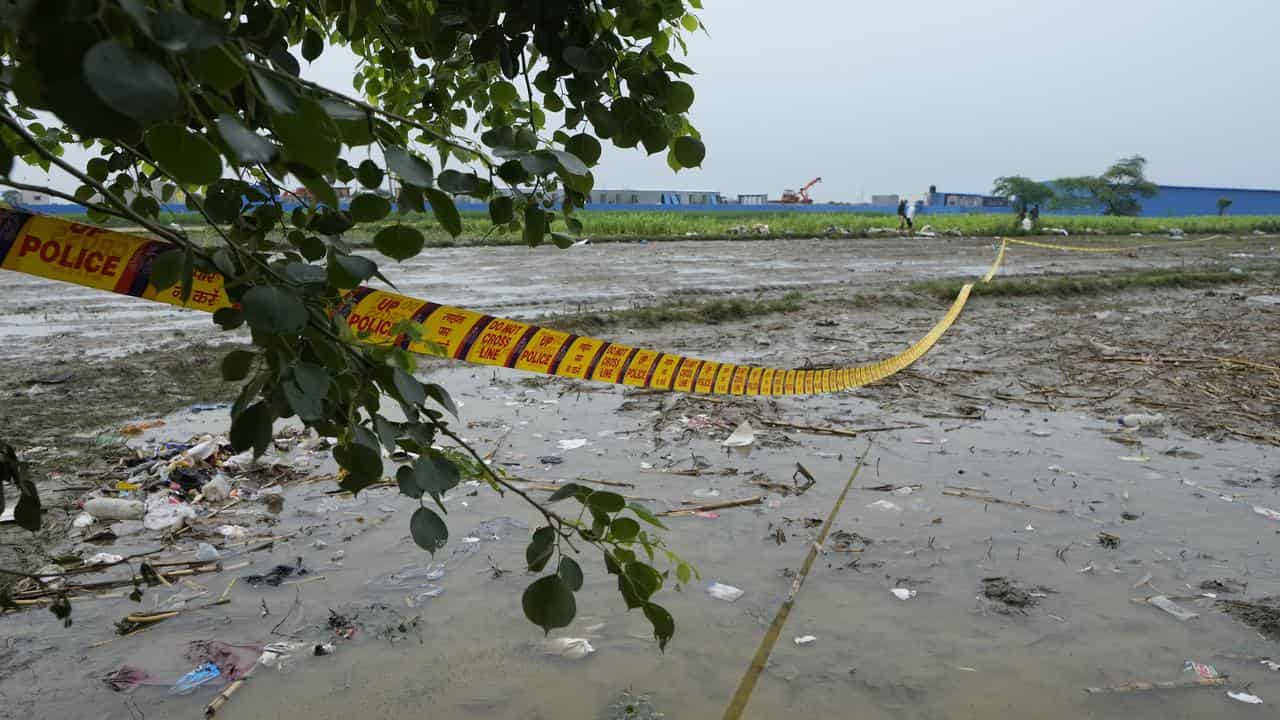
x=1138 y=420
x=194 y=679
x=727 y=593
x=115 y=508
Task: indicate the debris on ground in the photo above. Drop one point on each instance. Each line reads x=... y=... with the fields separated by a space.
x=568 y=647
x=727 y=593
x=201 y=675
x=630 y=706
x=903 y=593
x=1108 y=541
x=1262 y=614
x=1228 y=586
x=1244 y=697
x=1171 y=607
x=1008 y=598
x=806 y=639
x=276 y=575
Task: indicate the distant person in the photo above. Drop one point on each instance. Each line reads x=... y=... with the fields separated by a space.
x=911 y=216
x=1035 y=215
x=902 y=215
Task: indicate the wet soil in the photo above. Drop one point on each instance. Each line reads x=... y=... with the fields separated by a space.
x=1018 y=403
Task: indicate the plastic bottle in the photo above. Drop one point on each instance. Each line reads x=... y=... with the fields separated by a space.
x=1134 y=420
x=115 y=508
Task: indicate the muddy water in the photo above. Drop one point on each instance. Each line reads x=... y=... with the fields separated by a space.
x=941 y=654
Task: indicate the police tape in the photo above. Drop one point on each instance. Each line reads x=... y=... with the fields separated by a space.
x=1072 y=248
x=93 y=257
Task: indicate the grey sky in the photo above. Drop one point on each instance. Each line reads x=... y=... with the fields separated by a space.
x=886 y=97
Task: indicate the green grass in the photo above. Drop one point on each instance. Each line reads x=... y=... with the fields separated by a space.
x=1091 y=284
x=622 y=225
x=710 y=312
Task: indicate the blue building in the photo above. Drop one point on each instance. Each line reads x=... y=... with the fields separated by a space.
x=1180 y=200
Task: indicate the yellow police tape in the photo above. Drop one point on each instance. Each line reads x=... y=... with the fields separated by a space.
x=1074 y=248
x=93 y=257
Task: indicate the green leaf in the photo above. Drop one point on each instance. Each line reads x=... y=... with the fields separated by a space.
x=305 y=274
x=312 y=45
x=535 y=224
x=236 y=365
x=582 y=60
x=348 y=271
x=409 y=168
x=166 y=268
x=399 y=242
x=252 y=429
x=189 y=157
x=441 y=396
x=569 y=490
x=407 y=386
x=370 y=175
x=273 y=309
x=645 y=581
x=646 y=515
x=502 y=210
x=539 y=163
x=548 y=603
x=309 y=407
x=571 y=163
x=689 y=151
x=679 y=97
x=624 y=529
x=503 y=93
x=228 y=318
x=683 y=573
x=131 y=83
x=436 y=474
x=178 y=32
x=606 y=501
x=368 y=207
x=249 y=147
x=445 y=212
x=317 y=186
x=456 y=182
x=585 y=147
x=278 y=95
x=690 y=22
x=540 y=549
x=309 y=135
x=311 y=378
x=428 y=530
x=408 y=482
x=362 y=463
x=664 y=626
x=570 y=572
x=214 y=68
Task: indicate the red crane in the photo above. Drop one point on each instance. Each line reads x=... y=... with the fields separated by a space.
x=802 y=197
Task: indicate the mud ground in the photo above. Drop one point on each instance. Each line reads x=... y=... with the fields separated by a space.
x=1019 y=402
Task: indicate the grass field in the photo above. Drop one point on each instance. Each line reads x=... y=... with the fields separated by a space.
x=622 y=225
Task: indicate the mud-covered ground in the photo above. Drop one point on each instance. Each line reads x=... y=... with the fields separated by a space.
x=1018 y=402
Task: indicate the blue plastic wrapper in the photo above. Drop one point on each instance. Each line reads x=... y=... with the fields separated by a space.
x=195 y=679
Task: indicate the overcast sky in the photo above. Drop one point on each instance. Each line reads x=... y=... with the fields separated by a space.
x=883 y=97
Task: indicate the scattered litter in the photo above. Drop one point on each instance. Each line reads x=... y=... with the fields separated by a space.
x=1135 y=458
x=1042 y=433
x=206 y=552
x=1207 y=672
x=550 y=459
x=83 y=520
x=1271 y=665
x=1169 y=606
x=707 y=514
x=903 y=593
x=806 y=640
x=165 y=515
x=1225 y=585
x=1008 y=598
x=1244 y=697
x=886 y=506
x=138 y=428
x=570 y=648
x=194 y=679
x=277 y=575
x=233 y=532
x=1262 y=614
x=573 y=444
x=741 y=439
x=1108 y=541
x=217 y=490
x=728 y=593
x=706 y=493
x=128 y=678
x=1267 y=512
x=103 y=558
x=115 y=508
x=1137 y=420
x=419 y=599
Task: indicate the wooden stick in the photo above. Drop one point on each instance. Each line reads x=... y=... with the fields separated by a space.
x=231 y=504
x=1159 y=685
x=826 y=430
x=216 y=704
x=955 y=492
x=714 y=506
